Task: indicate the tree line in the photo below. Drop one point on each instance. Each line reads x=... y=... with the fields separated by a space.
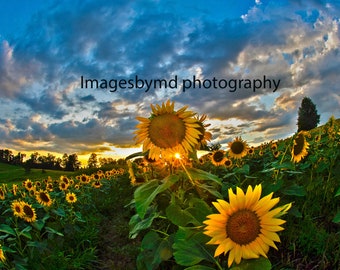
x=51 y=162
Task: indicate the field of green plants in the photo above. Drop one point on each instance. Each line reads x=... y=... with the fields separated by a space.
x=275 y=206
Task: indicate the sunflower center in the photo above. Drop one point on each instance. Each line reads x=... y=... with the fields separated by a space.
x=44 y=197
x=218 y=156
x=167 y=130
x=299 y=144
x=243 y=227
x=28 y=211
x=237 y=147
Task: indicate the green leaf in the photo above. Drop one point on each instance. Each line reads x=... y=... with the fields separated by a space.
x=146 y=193
x=38 y=224
x=211 y=190
x=295 y=190
x=199 y=209
x=198 y=174
x=7 y=229
x=243 y=170
x=137 y=224
x=53 y=231
x=336 y=219
x=154 y=250
x=59 y=212
x=337 y=192
x=190 y=247
x=295 y=212
x=179 y=216
x=253 y=264
x=26 y=232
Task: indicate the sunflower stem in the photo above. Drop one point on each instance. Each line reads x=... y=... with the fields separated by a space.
x=186 y=171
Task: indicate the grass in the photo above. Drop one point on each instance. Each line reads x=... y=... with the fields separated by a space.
x=12 y=174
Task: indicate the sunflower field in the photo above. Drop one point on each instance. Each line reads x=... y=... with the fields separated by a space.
x=273 y=206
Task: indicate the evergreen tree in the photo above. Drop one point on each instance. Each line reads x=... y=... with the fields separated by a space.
x=308 y=115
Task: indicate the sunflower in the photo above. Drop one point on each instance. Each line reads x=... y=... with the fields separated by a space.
x=228 y=163
x=2 y=254
x=71 y=197
x=205 y=136
x=2 y=194
x=238 y=148
x=276 y=153
x=218 y=157
x=64 y=179
x=96 y=184
x=245 y=227
x=63 y=186
x=28 y=184
x=43 y=198
x=167 y=131
x=14 y=189
x=17 y=208
x=84 y=179
x=300 y=147
x=29 y=214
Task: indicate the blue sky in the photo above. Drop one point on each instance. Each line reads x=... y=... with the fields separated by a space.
x=46 y=46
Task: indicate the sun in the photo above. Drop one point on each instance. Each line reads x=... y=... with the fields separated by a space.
x=238 y=148
x=168 y=131
x=300 y=147
x=246 y=226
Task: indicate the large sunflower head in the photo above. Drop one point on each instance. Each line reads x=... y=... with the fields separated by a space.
x=246 y=226
x=238 y=148
x=300 y=147
x=168 y=131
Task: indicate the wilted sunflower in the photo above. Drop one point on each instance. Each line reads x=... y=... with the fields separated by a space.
x=238 y=148
x=17 y=208
x=218 y=157
x=71 y=197
x=245 y=227
x=167 y=131
x=29 y=214
x=300 y=147
x=43 y=198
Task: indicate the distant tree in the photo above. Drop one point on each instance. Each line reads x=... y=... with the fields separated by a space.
x=92 y=162
x=72 y=164
x=214 y=146
x=308 y=117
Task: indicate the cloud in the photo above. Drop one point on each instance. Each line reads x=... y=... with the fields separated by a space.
x=294 y=42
